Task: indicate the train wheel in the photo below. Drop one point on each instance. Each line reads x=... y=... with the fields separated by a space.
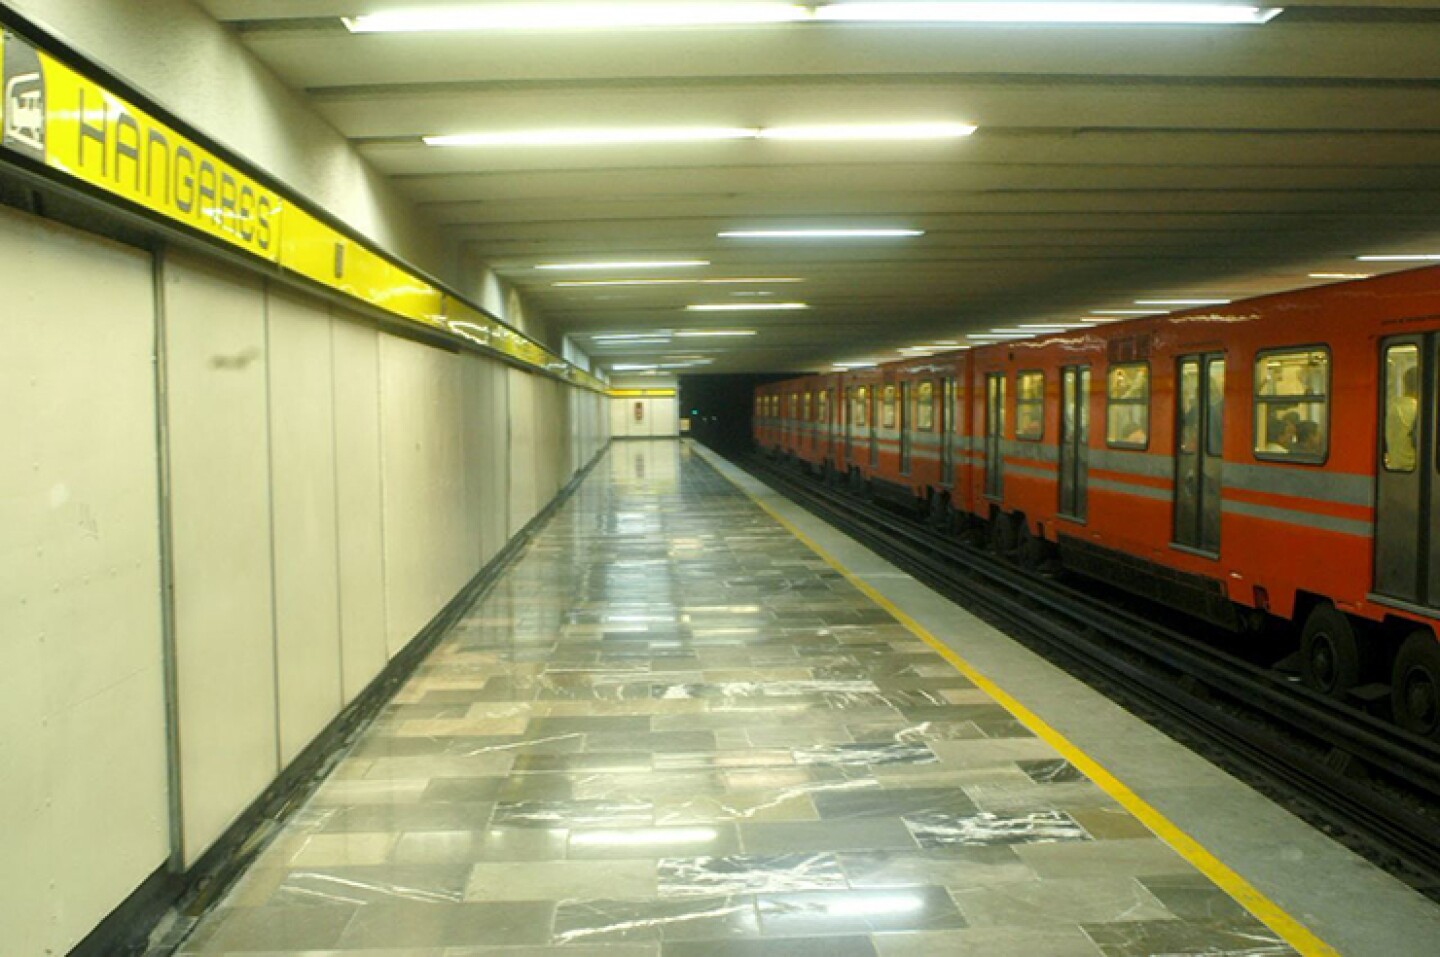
x=1029 y=547
x=1330 y=660
x=1002 y=534
x=1415 y=691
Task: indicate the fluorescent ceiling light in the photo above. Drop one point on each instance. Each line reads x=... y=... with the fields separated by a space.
x=1054 y=13
x=1047 y=326
x=612 y=16
x=594 y=137
x=613 y=136
x=945 y=342
x=747 y=307
x=1122 y=312
x=860 y=364
x=575 y=16
x=710 y=333
x=820 y=233
x=877 y=131
x=1341 y=275
x=658 y=334
x=632 y=368
x=1403 y=258
x=671 y=264
x=1181 y=302
x=584 y=283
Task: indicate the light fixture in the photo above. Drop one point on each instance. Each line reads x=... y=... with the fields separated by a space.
x=1341 y=275
x=752 y=280
x=857 y=364
x=875 y=131
x=1181 y=302
x=619 y=16
x=1214 y=14
x=945 y=342
x=1402 y=258
x=658 y=334
x=575 y=16
x=629 y=343
x=747 y=307
x=1123 y=312
x=1047 y=326
x=820 y=233
x=662 y=264
x=594 y=137
x=624 y=367
x=617 y=136
x=712 y=333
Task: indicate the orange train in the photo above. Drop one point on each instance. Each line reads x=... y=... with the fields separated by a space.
x=1272 y=458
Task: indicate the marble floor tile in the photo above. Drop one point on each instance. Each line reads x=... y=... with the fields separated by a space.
x=841 y=805
x=1187 y=938
x=748 y=873
x=789 y=947
x=699 y=840
x=1036 y=903
x=294 y=928
x=938 y=829
x=785 y=805
x=701 y=918
x=953 y=867
x=448 y=925
x=573 y=814
x=814 y=913
x=560 y=880
x=989 y=942
x=863 y=834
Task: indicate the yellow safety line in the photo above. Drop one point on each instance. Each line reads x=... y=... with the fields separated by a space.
x=1296 y=934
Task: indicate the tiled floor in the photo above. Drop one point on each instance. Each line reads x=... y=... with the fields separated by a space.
x=673 y=731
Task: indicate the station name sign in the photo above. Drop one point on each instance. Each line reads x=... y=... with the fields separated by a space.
x=56 y=116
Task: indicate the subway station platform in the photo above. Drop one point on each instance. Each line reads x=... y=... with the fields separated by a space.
x=692 y=721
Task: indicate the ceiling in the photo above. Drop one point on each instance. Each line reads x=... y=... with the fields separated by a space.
x=1111 y=163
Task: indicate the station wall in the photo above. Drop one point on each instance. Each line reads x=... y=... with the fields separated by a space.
x=329 y=488
x=644 y=416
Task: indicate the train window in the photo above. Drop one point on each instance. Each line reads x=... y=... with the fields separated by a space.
x=822 y=405
x=888 y=421
x=1030 y=406
x=805 y=407
x=1402 y=404
x=925 y=407
x=1127 y=413
x=1292 y=405
x=859 y=405
x=794 y=405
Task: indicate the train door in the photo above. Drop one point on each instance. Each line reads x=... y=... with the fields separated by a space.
x=1075 y=442
x=874 y=426
x=995 y=435
x=1407 y=554
x=946 y=425
x=852 y=419
x=902 y=422
x=1199 y=451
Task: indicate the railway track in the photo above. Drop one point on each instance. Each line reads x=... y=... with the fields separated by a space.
x=1363 y=780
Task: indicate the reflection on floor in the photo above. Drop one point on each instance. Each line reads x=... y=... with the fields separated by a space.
x=672 y=731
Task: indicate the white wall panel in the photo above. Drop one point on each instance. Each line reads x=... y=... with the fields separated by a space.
x=358 y=503
x=220 y=474
x=497 y=503
x=479 y=448
x=422 y=453
x=302 y=482
x=83 y=806
x=522 y=451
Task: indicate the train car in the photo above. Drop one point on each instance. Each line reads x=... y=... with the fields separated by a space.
x=1277 y=458
x=922 y=435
